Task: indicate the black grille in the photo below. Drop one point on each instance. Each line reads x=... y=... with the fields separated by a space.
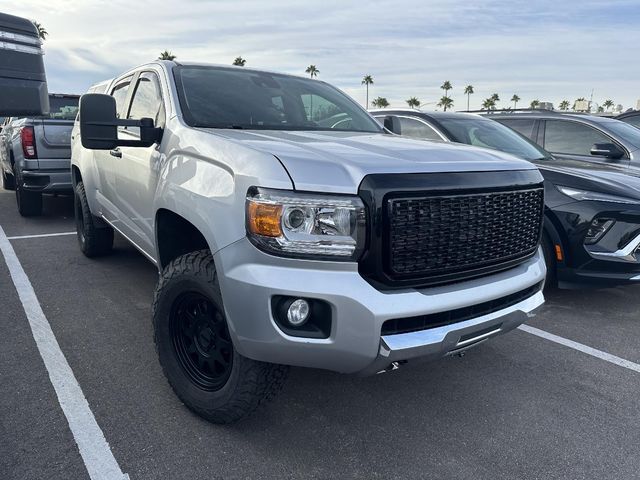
x=434 y=320
x=446 y=234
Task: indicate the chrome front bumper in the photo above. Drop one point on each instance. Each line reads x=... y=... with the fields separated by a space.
x=249 y=279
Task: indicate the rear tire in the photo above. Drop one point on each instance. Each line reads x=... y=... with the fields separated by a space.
x=93 y=240
x=29 y=203
x=551 y=280
x=196 y=351
x=8 y=181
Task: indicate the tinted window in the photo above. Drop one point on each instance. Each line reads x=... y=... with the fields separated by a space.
x=119 y=92
x=634 y=120
x=623 y=131
x=410 y=127
x=489 y=134
x=562 y=136
x=63 y=108
x=523 y=126
x=219 y=97
x=147 y=99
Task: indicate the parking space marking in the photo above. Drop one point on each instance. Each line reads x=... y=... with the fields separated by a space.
x=93 y=447
x=42 y=235
x=607 y=357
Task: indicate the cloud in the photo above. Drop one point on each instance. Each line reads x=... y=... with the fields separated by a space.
x=545 y=49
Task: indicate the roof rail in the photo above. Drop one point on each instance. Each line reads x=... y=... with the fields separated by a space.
x=517 y=110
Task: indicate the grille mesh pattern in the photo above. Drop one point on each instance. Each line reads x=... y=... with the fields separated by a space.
x=448 y=234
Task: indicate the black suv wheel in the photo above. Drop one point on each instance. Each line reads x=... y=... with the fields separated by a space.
x=94 y=240
x=196 y=350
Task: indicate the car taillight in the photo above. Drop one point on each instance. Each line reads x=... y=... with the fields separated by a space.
x=28 y=139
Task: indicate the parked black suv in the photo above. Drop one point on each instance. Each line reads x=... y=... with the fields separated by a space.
x=592 y=210
x=576 y=136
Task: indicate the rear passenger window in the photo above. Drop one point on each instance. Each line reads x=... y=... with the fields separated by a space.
x=572 y=138
x=524 y=126
x=120 y=92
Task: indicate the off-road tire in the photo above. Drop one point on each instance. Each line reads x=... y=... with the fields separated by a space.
x=249 y=384
x=94 y=240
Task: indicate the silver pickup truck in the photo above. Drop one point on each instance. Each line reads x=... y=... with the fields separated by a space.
x=289 y=228
x=35 y=153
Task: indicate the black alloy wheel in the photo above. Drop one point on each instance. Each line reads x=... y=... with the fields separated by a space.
x=201 y=340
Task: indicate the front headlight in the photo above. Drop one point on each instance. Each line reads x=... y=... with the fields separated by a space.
x=306 y=225
x=595 y=196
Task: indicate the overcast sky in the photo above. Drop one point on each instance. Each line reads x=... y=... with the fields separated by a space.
x=540 y=49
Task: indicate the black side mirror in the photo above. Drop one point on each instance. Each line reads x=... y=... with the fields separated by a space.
x=392 y=123
x=23 y=83
x=99 y=125
x=607 y=150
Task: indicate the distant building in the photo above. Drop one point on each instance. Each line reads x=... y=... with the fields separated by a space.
x=581 y=106
x=638 y=105
x=546 y=105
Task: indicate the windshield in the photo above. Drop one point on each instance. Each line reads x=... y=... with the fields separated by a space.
x=220 y=97
x=624 y=131
x=490 y=134
x=63 y=108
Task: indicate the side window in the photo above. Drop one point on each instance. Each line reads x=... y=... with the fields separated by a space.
x=635 y=120
x=120 y=92
x=410 y=127
x=572 y=138
x=524 y=126
x=147 y=99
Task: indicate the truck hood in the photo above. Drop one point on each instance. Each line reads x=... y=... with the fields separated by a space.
x=613 y=179
x=338 y=161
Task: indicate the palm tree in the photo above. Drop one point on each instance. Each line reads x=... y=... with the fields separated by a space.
x=380 y=102
x=445 y=102
x=413 y=102
x=608 y=104
x=496 y=98
x=468 y=91
x=489 y=104
x=239 y=62
x=367 y=80
x=515 y=99
x=42 y=32
x=446 y=86
x=564 y=105
x=166 y=55
x=312 y=71
x=534 y=103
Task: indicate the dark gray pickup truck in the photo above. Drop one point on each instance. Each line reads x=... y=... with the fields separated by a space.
x=35 y=153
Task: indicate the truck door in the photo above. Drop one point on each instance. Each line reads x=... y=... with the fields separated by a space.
x=137 y=178
x=108 y=162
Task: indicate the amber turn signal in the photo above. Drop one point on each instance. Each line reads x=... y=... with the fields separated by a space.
x=264 y=219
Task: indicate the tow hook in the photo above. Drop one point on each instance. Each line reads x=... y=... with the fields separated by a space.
x=393 y=366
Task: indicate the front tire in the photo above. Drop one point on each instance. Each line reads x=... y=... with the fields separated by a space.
x=94 y=240
x=196 y=351
x=551 y=279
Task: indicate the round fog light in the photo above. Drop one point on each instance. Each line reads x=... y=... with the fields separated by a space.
x=298 y=312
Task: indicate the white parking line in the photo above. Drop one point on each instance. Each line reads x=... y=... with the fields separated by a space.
x=19 y=237
x=607 y=357
x=93 y=447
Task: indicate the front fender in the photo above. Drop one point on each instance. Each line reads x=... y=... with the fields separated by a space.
x=210 y=194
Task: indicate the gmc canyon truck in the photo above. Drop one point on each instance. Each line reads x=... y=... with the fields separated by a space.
x=289 y=228
x=35 y=153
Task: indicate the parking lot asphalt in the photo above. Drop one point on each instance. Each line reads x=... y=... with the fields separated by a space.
x=517 y=407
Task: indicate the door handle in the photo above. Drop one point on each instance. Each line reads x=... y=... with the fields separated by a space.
x=116 y=152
